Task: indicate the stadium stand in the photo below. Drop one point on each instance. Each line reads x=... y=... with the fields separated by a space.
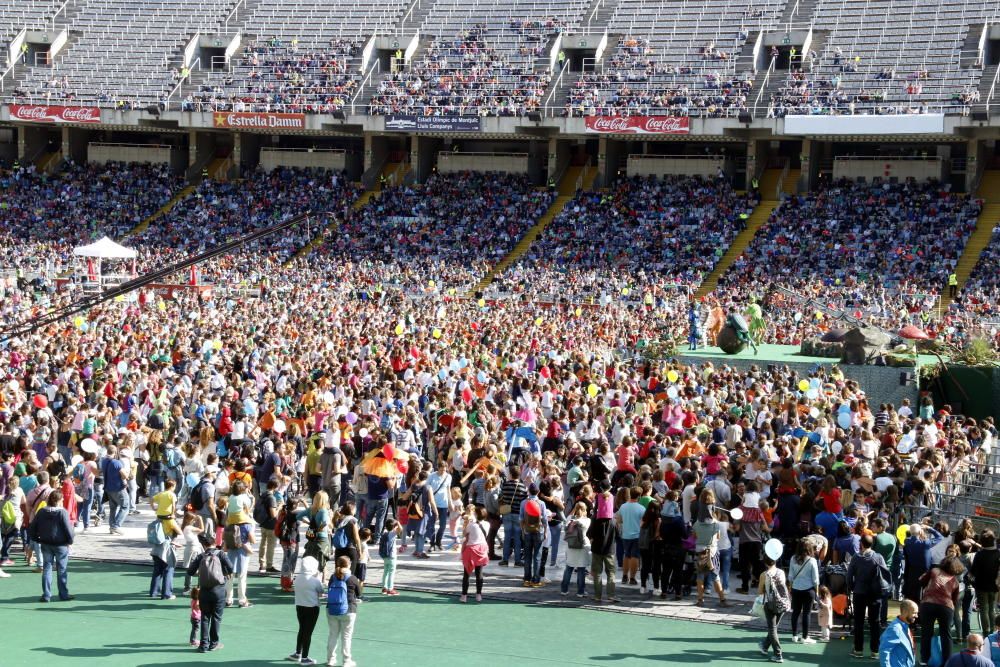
x=645 y=234
x=121 y=53
x=684 y=59
x=451 y=229
x=887 y=57
x=304 y=57
x=484 y=59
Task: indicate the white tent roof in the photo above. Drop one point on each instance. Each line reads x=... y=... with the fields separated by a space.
x=105 y=249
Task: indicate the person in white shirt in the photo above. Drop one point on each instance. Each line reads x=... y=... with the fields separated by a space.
x=308 y=589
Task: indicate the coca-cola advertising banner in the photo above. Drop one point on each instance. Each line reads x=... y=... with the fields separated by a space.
x=40 y=113
x=259 y=121
x=638 y=124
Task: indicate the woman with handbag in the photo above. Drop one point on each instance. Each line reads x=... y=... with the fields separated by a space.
x=318 y=532
x=803 y=575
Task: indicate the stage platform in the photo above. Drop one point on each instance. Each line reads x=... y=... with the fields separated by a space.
x=882 y=384
x=770 y=354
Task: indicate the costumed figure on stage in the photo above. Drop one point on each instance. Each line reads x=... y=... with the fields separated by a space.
x=755 y=317
x=716 y=320
x=739 y=324
x=695 y=334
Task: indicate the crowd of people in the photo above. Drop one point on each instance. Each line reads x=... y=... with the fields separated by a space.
x=667 y=233
x=282 y=76
x=443 y=234
x=477 y=73
x=336 y=421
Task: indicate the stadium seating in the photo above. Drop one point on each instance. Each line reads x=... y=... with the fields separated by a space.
x=122 y=51
x=645 y=234
x=485 y=59
x=682 y=59
x=886 y=56
x=305 y=57
x=451 y=229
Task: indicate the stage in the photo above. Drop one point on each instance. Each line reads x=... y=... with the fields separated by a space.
x=882 y=384
x=771 y=354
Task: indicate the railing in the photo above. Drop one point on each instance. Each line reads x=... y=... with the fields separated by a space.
x=61 y=10
x=234 y=14
x=409 y=14
x=122 y=144
x=993 y=90
x=556 y=85
x=3 y=77
x=763 y=86
x=377 y=67
x=176 y=90
x=593 y=15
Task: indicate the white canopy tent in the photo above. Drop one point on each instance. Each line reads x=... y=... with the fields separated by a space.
x=90 y=273
x=105 y=249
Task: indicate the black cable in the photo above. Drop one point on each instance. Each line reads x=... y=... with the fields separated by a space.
x=86 y=303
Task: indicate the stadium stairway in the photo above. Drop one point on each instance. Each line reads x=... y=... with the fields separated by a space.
x=144 y=225
x=988 y=218
x=567 y=188
x=740 y=243
x=769 y=183
x=47 y=163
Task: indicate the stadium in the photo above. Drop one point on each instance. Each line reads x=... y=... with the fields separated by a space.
x=365 y=315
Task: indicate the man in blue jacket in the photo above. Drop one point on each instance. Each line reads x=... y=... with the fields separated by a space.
x=895 y=647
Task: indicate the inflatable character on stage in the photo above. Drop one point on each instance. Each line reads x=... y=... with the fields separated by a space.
x=755 y=317
x=716 y=320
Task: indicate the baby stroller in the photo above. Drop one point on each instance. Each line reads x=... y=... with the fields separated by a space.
x=836 y=580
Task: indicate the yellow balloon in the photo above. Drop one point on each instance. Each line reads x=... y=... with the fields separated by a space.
x=162 y=306
x=436 y=333
x=593 y=390
x=579 y=311
x=217 y=345
x=399 y=329
x=902 y=532
x=538 y=321
x=451 y=291
x=77 y=321
x=481 y=303
x=672 y=376
x=819 y=315
x=624 y=291
x=803 y=385
x=119 y=298
x=430 y=283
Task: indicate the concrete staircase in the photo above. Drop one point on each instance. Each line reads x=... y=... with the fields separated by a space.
x=48 y=163
x=166 y=208
x=769 y=183
x=567 y=188
x=987 y=220
x=986 y=82
x=739 y=244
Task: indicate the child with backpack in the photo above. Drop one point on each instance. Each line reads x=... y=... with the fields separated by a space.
x=191 y=527
x=286 y=530
x=577 y=550
x=342 y=609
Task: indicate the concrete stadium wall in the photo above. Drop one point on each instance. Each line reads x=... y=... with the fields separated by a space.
x=102 y=153
x=868 y=169
x=326 y=159
x=646 y=165
x=507 y=163
x=880 y=383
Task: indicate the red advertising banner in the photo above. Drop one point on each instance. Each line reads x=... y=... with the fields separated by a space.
x=259 y=121
x=40 y=113
x=638 y=124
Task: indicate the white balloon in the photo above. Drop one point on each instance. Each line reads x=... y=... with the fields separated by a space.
x=773 y=548
x=279 y=426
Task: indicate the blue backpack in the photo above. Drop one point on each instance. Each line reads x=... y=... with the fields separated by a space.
x=336 y=597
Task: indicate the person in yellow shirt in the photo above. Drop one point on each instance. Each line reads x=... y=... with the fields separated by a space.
x=165 y=506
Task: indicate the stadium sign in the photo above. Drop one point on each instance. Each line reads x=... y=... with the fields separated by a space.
x=432 y=123
x=259 y=121
x=638 y=124
x=40 y=113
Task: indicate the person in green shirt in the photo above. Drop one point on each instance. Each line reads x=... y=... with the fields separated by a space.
x=886 y=545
